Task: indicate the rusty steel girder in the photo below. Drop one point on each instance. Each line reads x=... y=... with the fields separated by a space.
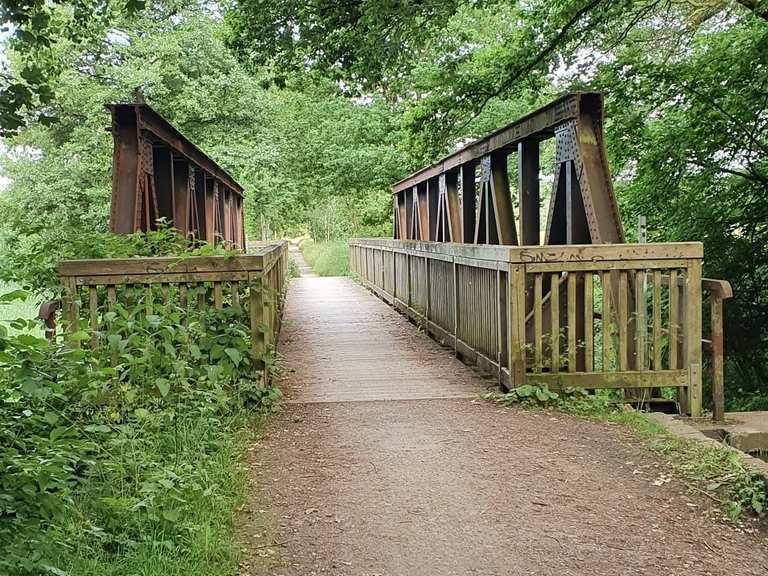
x=158 y=173
x=466 y=196
x=479 y=208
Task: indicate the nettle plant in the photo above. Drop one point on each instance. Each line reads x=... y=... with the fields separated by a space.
x=106 y=445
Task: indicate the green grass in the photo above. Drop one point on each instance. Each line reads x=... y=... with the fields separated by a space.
x=327 y=258
x=205 y=540
x=718 y=472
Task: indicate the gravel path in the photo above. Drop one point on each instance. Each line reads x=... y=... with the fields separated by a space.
x=376 y=486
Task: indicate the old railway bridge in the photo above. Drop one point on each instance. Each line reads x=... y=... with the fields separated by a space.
x=383 y=460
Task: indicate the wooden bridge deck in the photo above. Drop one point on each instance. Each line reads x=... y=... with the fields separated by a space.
x=346 y=345
x=383 y=462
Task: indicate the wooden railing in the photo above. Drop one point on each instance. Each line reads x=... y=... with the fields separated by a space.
x=252 y=282
x=593 y=316
x=718 y=291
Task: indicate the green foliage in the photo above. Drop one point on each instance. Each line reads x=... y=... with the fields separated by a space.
x=124 y=457
x=327 y=258
x=688 y=132
x=717 y=471
x=36 y=27
x=114 y=453
x=31 y=262
x=300 y=151
x=293 y=269
x=573 y=400
x=720 y=472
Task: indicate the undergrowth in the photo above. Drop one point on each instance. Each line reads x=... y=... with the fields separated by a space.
x=126 y=459
x=327 y=258
x=717 y=472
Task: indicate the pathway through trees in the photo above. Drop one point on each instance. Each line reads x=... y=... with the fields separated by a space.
x=384 y=462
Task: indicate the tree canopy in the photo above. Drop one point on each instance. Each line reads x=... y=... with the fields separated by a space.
x=316 y=107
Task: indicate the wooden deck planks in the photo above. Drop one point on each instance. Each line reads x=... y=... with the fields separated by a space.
x=342 y=344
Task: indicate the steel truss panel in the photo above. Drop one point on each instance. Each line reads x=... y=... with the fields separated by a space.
x=158 y=173
x=582 y=209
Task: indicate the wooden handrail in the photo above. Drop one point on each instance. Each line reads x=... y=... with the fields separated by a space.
x=475 y=298
x=262 y=272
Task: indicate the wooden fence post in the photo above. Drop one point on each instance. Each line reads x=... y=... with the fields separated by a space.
x=693 y=335
x=256 y=306
x=516 y=325
x=718 y=384
x=268 y=301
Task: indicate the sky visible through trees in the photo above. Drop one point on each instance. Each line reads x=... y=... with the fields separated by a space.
x=317 y=107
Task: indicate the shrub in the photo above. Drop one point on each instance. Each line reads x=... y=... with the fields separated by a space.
x=128 y=450
x=327 y=258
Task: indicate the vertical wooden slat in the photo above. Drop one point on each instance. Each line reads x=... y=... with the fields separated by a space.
x=516 y=325
x=500 y=321
x=538 y=334
x=218 y=297
x=71 y=305
x=150 y=299
x=234 y=287
x=674 y=313
x=605 y=285
x=656 y=302
x=554 y=305
x=589 y=323
x=202 y=295
x=166 y=294
x=256 y=305
x=111 y=297
x=93 y=312
x=455 y=308
x=641 y=322
x=183 y=296
x=623 y=319
x=427 y=290
x=268 y=301
x=571 y=311
x=408 y=277
x=693 y=335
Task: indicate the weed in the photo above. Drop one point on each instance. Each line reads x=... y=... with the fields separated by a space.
x=124 y=459
x=327 y=258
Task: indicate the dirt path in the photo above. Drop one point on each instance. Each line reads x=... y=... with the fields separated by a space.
x=356 y=486
x=305 y=270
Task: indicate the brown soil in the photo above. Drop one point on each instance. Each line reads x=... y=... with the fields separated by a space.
x=368 y=485
x=456 y=487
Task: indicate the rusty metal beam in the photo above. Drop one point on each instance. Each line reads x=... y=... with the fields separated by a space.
x=583 y=207
x=152 y=121
x=539 y=123
x=157 y=172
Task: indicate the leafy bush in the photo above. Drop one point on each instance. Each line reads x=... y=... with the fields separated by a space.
x=30 y=262
x=127 y=451
x=327 y=258
x=573 y=400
